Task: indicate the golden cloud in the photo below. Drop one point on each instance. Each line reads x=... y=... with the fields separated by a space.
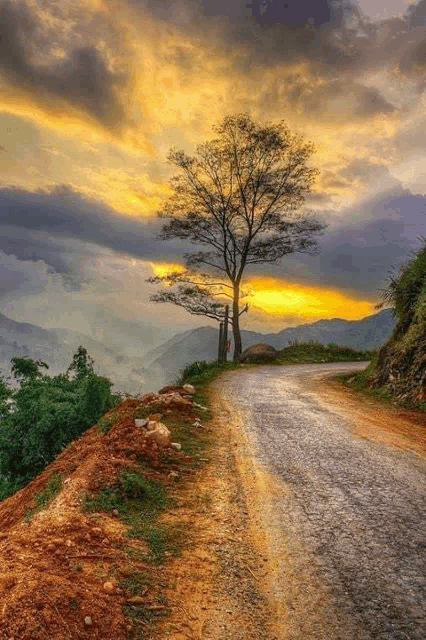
x=274 y=297
x=277 y=298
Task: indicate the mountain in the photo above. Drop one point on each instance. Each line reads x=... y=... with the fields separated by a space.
x=165 y=362
x=125 y=361
x=57 y=346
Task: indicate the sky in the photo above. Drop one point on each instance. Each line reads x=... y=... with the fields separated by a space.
x=94 y=93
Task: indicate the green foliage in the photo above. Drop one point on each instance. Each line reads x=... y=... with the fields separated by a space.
x=203 y=372
x=106 y=424
x=405 y=289
x=52 y=488
x=27 y=370
x=138 y=501
x=313 y=351
x=43 y=415
x=130 y=487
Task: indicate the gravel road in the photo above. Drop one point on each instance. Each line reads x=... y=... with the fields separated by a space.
x=345 y=519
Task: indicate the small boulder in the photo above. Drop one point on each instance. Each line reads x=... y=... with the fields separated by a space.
x=141 y=422
x=109 y=586
x=160 y=434
x=189 y=389
x=174 y=388
x=176 y=445
x=259 y=353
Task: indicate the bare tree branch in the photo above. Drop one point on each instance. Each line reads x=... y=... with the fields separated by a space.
x=238 y=196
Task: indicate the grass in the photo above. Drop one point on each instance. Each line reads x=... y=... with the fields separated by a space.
x=42 y=499
x=139 y=502
x=315 y=352
x=105 y=424
x=359 y=382
x=202 y=373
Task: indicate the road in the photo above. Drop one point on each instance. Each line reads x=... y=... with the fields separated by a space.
x=339 y=514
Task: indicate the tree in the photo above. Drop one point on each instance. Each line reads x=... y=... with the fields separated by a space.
x=40 y=417
x=237 y=196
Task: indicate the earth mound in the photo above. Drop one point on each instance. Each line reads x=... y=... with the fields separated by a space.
x=259 y=353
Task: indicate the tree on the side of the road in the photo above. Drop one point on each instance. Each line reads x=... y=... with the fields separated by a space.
x=238 y=196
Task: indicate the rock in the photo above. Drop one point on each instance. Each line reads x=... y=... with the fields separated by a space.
x=167 y=399
x=259 y=353
x=109 y=586
x=116 y=512
x=200 y=406
x=88 y=621
x=141 y=422
x=189 y=389
x=155 y=417
x=159 y=434
x=173 y=388
x=176 y=445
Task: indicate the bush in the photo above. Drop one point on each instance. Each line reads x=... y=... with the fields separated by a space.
x=40 y=418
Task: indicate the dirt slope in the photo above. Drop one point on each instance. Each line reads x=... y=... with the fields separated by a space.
x=61 y=567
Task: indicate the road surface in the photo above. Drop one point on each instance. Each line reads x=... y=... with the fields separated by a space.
x=340 y=514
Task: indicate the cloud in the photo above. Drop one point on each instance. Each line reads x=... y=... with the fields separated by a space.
x=81 y=78
x=27 y=217
x=361 y=246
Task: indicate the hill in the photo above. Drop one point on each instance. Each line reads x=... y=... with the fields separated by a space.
x=165 y=362
x=57 y=346
x=401 y=366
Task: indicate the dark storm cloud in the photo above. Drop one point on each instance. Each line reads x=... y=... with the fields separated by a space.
x=82 y=79
x=62 y=227
x=359 y=257
x=26 y=218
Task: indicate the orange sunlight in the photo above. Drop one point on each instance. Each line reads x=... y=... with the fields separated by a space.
x=276 y=298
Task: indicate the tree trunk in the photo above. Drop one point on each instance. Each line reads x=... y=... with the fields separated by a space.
x=220 y=349
x=225 y=334
x=236 y=322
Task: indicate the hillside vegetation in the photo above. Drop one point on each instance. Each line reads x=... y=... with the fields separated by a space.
x=40 y=417
x=399 y=371
x=201 y=373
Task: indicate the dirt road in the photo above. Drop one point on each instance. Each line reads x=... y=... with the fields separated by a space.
x=334 y=492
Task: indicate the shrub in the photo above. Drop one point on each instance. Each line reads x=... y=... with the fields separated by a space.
x=43 y=415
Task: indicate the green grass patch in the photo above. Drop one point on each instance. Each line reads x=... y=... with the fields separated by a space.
x=42 y=499
x=139 y=501
x=316 y=352
x=144 y=412
x=360 y=382
x=105 y=424
x=136 y=582
x=201 y=373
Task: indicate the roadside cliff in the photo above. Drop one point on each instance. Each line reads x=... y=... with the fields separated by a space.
x=401 y=364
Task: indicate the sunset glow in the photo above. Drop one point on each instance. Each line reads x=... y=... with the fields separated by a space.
x=94 y=95
x=279 y=298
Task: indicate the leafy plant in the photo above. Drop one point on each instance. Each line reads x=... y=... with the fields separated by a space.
x=44 y=414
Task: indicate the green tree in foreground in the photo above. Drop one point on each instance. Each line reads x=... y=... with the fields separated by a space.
x=43 y=415
x=238 y=196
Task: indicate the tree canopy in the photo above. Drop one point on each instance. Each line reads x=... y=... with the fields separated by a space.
x=40 y=417
x=238 y=196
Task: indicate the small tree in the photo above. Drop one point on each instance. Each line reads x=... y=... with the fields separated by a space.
x=237 y=196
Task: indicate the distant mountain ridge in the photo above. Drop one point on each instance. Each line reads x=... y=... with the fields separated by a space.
x=136 y=371
x=164 y=364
